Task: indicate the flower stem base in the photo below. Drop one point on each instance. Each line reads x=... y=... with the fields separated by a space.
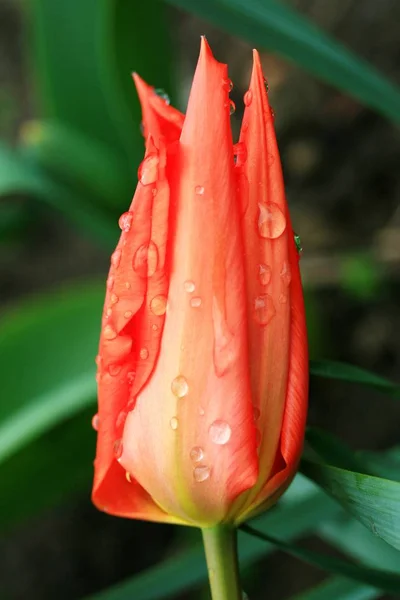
x=220 y=547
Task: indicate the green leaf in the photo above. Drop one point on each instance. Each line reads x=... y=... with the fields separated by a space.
x=47 y=350
x=274 y=26
x=19 y=176
x=333 y=450
x=338 y=370
x=87 y=83
x=374 y=501
x=47 y=472
x=302 y=509
x=339 y=588
x=379 y=578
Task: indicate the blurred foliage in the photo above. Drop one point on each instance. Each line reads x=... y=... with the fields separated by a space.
x=80 y=157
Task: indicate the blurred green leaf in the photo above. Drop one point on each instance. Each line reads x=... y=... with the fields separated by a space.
x=274 y=26
x=78 y=161
x=373 y=500
x=334 y=451
x=50 y=470
x=384 y=464
x=47 y=350
x=361 y=276
x=83 y=67
x=301 y=510
x=339 y=588
x=18 y=175
x=379 y=578
x=337 y=370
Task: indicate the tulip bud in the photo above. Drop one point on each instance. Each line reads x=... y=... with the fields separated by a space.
x=202 y=366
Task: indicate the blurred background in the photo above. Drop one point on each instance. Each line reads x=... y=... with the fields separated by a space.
x=68 y=163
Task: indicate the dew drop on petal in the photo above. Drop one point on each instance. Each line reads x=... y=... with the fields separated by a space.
x=202 y=412
x=196 y=454
x=201 y=473
x=118 y=449
x=195 y=302
x=189 y=286
x=256 y=413
x=127 y=285
x=199 y=189
x=264 y=274
x=240 y=154
x=98 y=360
x=264 y=309
x=116 y=258
x=144 y=353
x=114 y=370
x=114 y=299
x=163 y=95
x=148 y=169
x=286 y=275
x=131 y=377
x=232 y=107
x=110 y=282
x=220 y=432
x=154 y=327
x=298 y=244
x=128 y=477
x=128 y=314
x=248 y=97
x=179 y=386
x=266 y=85
x=271 y=220
x=108 y=313
x=272 y=113
x=125 y=221
x=96 y=421
x=174 y=423
x=145 y=260
x=158 y=305
x=227 y=84
x=109 y=333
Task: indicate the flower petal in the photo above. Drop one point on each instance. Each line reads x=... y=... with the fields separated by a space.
x=190 y=441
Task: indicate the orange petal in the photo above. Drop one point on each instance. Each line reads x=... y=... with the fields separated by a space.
x=190 y=441
x=159 y=118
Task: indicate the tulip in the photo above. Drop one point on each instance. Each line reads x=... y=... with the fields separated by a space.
x=202 y=366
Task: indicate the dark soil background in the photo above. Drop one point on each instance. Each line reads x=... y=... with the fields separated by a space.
x=343 y=183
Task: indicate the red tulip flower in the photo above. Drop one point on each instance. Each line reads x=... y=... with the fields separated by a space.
x=202 y=367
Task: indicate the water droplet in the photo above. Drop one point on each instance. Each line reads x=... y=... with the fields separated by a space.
x=110 y=282
x=144 y=353
x=121 y=419
x=220 y=432
x=202 y=412
x=232 y=107
x=179 y=386
x=196 y=454
x=286 y=275
x=154 y=327
x=141 y=127
x=174 y=423
x=118 y=449
x=227 y=84
x=128 y=477
x=199 y=189
x=158 y=305
x=256 y=413
x=148 y=169
x=299 y=246
x=130 y=377
x=125 y=221
x=195 y=302
x=189 y=286
x=248 y=97
x=128 y=314
x=96 y=422
x=272 y=113
x=114 y=299
x=264 y=274
x=264 y=309
x=116 y=258
x=108 y=313
x=145 y=260
x=266 y=85
x=163 y=95
x=98 y=360
x=201 y=473
x=283 y=298
x=114 y=369
x=271 y=220
x=109 y=333
x=239 y=154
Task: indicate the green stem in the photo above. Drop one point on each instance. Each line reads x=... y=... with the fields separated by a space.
x=222 y=562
